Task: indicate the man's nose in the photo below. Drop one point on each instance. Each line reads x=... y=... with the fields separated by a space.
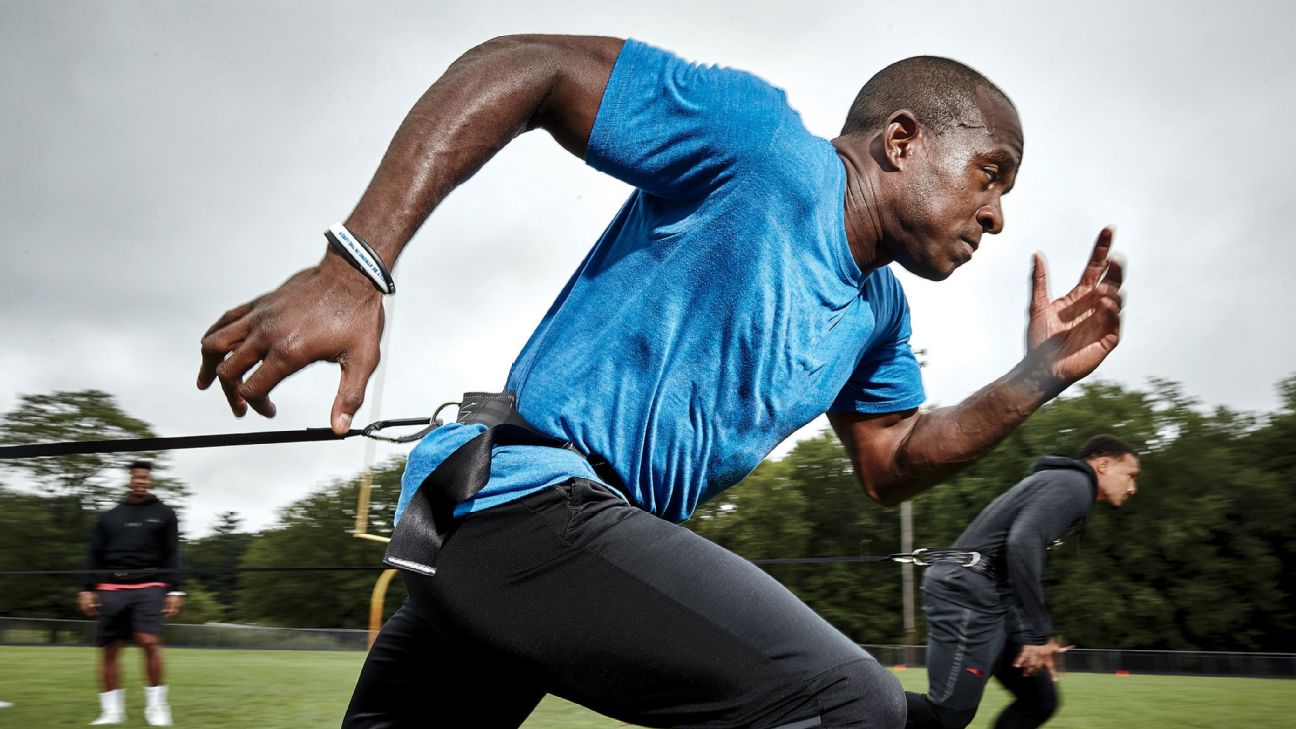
x=990 y=218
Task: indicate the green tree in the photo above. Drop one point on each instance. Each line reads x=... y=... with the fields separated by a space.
x=215 y=559
x=87 y=481
x=31 y=538
x=200 y=606
x=317 y=531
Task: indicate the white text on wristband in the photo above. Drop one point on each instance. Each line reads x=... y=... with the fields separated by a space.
x=361 y=255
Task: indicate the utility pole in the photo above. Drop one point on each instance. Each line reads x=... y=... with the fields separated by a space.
x=907 y=568
x=366 y=481
x=907 y=572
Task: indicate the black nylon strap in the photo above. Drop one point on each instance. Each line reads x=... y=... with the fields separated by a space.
x=130 y=445
x=174 y=443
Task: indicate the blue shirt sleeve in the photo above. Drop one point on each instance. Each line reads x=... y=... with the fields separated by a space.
x=888 y=378
x=677 y=129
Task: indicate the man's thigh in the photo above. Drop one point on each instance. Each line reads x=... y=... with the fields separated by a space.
x=642 y=620
x=962 y=648
x=416 y=677
x=112 y=621
x=1036 y=696
x=144 y=612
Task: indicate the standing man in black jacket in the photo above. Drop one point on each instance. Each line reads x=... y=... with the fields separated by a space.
x=989 y=618
x=132 y=582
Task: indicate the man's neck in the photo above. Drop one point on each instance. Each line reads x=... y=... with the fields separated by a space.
x=863 y=224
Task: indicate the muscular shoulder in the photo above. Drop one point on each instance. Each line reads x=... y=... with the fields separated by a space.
x=1066 y=491
x=887 y=298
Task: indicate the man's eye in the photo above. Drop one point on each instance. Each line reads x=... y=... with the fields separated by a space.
x=992 y=174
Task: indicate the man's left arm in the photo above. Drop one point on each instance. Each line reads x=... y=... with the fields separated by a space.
x=1053 y=511
x=171 y=561
x=897 y=455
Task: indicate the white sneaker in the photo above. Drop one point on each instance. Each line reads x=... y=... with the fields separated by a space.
x=158 y=715
x=5 y=704
x=112 y=708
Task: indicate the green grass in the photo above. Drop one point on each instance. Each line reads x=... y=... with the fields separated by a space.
x=55 y=687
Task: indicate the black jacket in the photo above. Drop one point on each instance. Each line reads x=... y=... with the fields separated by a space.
x=1013 y=532
x=144 y=536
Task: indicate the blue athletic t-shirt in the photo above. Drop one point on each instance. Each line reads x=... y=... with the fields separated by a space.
x=719 y=312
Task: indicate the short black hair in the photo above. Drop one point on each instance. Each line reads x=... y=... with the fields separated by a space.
x=939 y=91
x=1106 y=446
x=146 y=465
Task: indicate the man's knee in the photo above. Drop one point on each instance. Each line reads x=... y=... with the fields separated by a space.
x=147 y=641
x=1047 y=705
x=923 y=714
x=1037 y=709
x=952 y=719
x=861 y=694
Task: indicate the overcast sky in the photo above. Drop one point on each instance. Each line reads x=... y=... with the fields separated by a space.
x=165 y=161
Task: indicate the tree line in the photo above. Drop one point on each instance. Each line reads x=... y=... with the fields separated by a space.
x=1197 y=560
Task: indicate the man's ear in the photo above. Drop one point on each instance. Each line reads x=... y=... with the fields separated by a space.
x=900 y=136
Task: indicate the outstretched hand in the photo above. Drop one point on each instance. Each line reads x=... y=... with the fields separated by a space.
x=1039 y=658
x=171 y=606
x=328 y=312
x=1069 y=337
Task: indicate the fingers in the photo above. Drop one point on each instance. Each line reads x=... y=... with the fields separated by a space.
x=356 y=371
x=278 y=364
x=309 y=318
x=1098 y=258
x=231 y=371
x=1039 y=283
x=220 y=339
x=229 y=317
x=1104 y=297
x=1115 y=276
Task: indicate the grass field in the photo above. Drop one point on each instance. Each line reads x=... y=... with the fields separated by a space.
x=55 y=687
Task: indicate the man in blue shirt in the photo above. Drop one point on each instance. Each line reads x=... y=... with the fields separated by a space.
x=741 y=291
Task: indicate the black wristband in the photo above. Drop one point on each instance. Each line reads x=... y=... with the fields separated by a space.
x=362 y=256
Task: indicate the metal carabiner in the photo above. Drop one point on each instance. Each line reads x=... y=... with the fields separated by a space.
x=914 y=557
x=431 y=424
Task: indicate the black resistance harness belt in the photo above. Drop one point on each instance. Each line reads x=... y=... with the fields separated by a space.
x=428 y=518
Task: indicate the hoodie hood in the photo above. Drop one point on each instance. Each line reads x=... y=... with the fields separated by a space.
x=1053 y=463
x=1057 y=463
x=149 y=498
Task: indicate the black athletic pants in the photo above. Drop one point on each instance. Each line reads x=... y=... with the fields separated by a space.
x=964 y=648
x=575 y=593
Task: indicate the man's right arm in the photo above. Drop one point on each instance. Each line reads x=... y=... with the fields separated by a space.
x=87 y=598
x=330 y=312
x=1053 y=510
x=486 y=98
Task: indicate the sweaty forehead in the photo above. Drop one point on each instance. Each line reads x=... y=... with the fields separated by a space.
x=1001 y=121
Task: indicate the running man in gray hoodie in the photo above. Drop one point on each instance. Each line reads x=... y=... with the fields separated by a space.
x=989 y=618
